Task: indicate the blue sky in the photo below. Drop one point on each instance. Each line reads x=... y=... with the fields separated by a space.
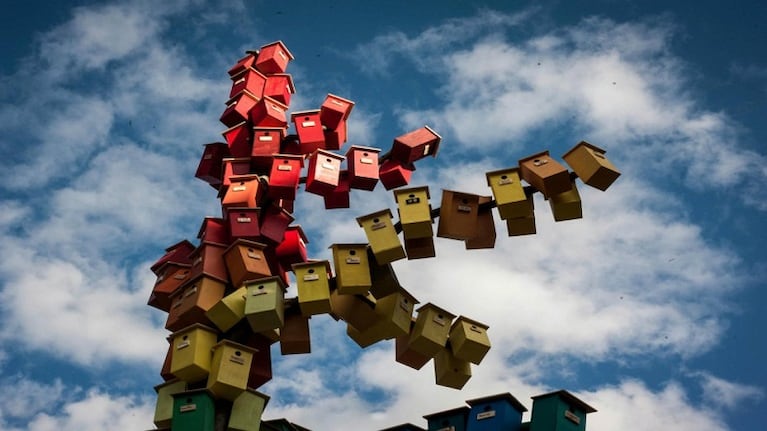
x=649 y=308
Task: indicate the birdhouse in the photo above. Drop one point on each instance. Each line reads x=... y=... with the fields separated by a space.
x=509 y=193
x=190 y=302
x=163 y=410
x=350 y=262
x=269 y=113
x=246 y=260
x=313 y=284
x=292 y=249
x=545 y=174
x=394 y=173
x=383 y=278
x=233 y=168
x=382 y=236
x=229 y=369
x=335 y=110
x=495 y=412
x=309 y=130
x=339 y=197
x=264 y=306
x=394 y=312
x=405 y=355
x=244 y=191
x=365 y=338
x=261 y=365
x=210 y=167
x=284 y=176
x=214 y=229
x=559 y=411
x=356 y=310
x=243 y=223
x=362 y=164
x=590 y=164
x=273 y=58
x=238 y=108
x=414 y=212
x=567 y=205
x=324 y=172
x=336 y=138
x=468 y=340
x=419 y=248
x=431 y=330
x=247 y=410
x=191 y=352
x=207 y=259
x=294 y=335
x=416 y=145
x=249 y=60
x=251 y=80
x=274 y=222
x=485 y=227
x=266 y=143
x=458 y=215
x=193 y=411
x=170 y=277
x=521 y=226
x=450 y=371
x=229 y=311
x=177 y=253
x=279 y=86
x=453 y=419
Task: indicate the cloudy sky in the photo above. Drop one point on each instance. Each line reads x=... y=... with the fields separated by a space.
x=648 y=308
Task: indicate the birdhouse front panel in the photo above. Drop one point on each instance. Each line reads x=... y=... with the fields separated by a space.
x=416 y=145
x=191 y=357
x=244 y=191
x=273 y=58
x=351 y=265
x=362 y=164
x=324 y=172
x=592 y=167
x=383 y=239
x=509 y=193
x=284 y=176
x=469 y=340
x=246 y=260
x=264 y=307
x=238 y=108
x=251 y=80
x=193 y=411
x=210 y=167
x=230 y=367
x=395 y=314
x=545 y=174
x=279 y=86
x=414 y=212
x=243 y=223
x=458 y=215
x=450 y=371
x=313 y=285
x=334 y=110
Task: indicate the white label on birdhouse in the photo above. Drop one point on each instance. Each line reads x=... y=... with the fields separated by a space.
x=275 y=107
x=190 y=292
x=328 y=166
x=243 y=220
x=572 y=417
x=539 y=162
x=187 y=408
x=336 y=102
x=178 y=304
x=197 y=261
x=180 y=276
x=237 y=359
x=239 y=81
x=366 y=161
x=254 y=255
x=281 y=54
x=284 y=167
x=411 y=201
x=439 y=320
x=353 y=260
x=426 y=149
x=308 y=124
x=485 y=415
x=464 y=208
x=265 y=138
x=239 y=188
x=504 y=181
x=379 y=225
x=311 y=277
x=182 y=345
x=600 y=155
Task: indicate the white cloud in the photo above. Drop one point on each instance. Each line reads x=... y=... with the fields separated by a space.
x=721 y=394
x=28 y=397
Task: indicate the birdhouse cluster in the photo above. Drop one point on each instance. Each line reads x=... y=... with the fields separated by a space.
x=225 y=295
